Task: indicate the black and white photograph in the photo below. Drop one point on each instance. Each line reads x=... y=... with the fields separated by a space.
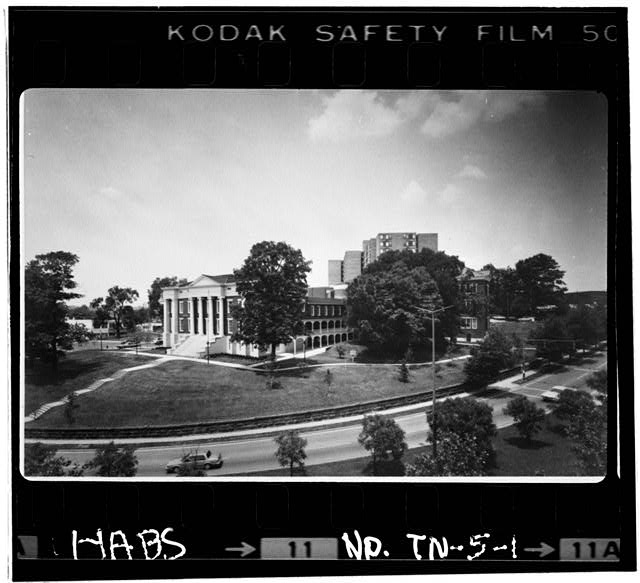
x=366 y=285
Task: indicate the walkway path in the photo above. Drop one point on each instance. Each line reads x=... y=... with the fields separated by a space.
x=92 y=387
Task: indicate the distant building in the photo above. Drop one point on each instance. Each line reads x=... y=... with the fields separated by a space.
x=347 y=269
x=474 y=293
x=108 y=328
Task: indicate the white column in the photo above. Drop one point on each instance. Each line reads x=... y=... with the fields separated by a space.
x=165 y=323
x=210 y=317
x=192 y=317
x=220 y=316
x=202 y=325
x=174 y=319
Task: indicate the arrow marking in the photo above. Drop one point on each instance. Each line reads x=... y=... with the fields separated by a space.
x=544 y=549
x=245 y=549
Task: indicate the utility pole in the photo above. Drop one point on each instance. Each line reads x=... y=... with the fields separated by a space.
x=432 y=314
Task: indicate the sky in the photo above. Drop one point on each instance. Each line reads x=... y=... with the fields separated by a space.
x=151 y=183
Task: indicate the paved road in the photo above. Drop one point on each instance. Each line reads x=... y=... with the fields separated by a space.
x=339 y=443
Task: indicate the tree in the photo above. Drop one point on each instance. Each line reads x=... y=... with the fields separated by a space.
x=457 y=455
x=154 y=292
x=190 y=470
x=82 y=312
x=488 y=359
x=553 y=339
x=464 y=416
x=586 y=426
x=328 y=378
x=290 y=450
x=404 y=372
x=383 y=306
x=599 y=381
x=111 y=461
x=540 y=281
x=41 y=460
x=115 y=306
x=48 y=281
x=503 y=285
x=382 y=437
x=444 y=269
x=70 y=407
x=587 y=324
x=341 y=350
x=527 y=417
x=272 y=284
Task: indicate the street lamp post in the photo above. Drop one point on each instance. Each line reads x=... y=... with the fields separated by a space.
x=432 y=314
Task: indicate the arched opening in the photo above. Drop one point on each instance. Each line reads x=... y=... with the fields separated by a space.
x=316 y=342
x=307 y=326
x=331 y=341
x=309 y=342
x=331 y=324
x=316 y=325
x=344 y=337
x=323 y=325
x=324 y=341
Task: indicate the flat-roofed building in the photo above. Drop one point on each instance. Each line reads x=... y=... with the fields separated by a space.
x=406 y=241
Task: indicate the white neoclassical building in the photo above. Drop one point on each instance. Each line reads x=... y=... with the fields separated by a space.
x=199 y=313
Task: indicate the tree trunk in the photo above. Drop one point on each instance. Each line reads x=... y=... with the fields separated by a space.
x=291 y=469
x=273 y=352
x=54 y=355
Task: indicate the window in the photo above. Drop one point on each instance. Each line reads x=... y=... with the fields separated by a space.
x=469 y=323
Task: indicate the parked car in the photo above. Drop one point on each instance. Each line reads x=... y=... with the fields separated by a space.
x=553 y=395
x=127 y=344
x=199 y=461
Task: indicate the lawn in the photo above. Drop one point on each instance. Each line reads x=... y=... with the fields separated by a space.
x=77 y=370
x=181 y=391
x=548 y=454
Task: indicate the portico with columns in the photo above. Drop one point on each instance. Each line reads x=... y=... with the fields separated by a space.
x=199 y=314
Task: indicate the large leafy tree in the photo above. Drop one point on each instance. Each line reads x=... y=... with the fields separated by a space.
x=115 y=306
x=488 y=359
x=112 y=461
x=553 y=339
x=154 y=292
x=48 y=284
x=503 y=287
x=464 y=416
x=41 y=460
x=540 y=281
x=384 y=307
x=444 y=269
x=586 y=426
x=457 y=455
x=587 y=324
x=527 y=417
x=382 y=437
x=290 y=450
x=272 y=285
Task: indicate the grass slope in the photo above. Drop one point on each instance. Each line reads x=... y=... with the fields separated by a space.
x=185 y=392
x=77 y=370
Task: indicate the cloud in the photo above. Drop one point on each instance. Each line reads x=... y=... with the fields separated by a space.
x=470 y=171
x=413 y=193
x=352 y=114
x=451 y=194
x=110 y=192
x=450 y=116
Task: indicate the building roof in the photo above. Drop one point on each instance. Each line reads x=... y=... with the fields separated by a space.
x=225 y=278
x=328 y=301
x=469 y=274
